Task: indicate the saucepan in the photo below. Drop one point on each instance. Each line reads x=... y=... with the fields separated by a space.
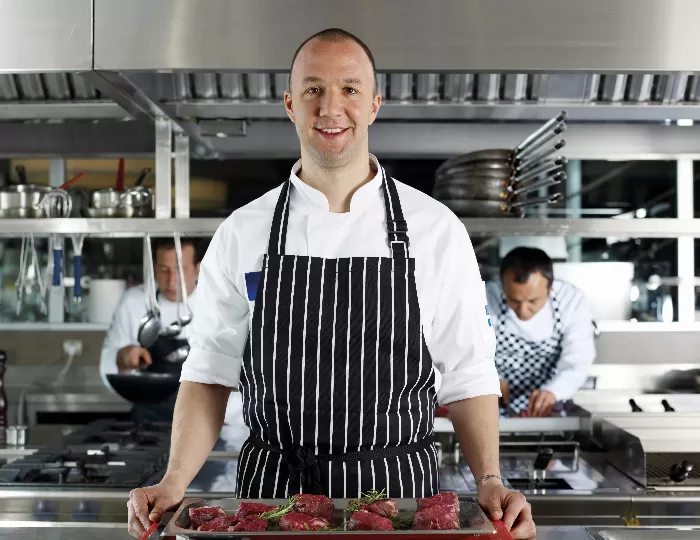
x=22 y=200
x=469 y=208
x=135 y=201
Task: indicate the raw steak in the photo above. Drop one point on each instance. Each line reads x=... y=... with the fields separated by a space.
x=296 y=521
x=250 y=523
x=218 y=524
x=436 y=518
x=252 y=509
x=315 y=505
x=442 y=499
x=367 y=521
x=200 y=515
x=385 y=508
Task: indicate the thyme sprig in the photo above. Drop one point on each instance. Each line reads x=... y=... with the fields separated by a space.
x=282 y=510
x=367 y=498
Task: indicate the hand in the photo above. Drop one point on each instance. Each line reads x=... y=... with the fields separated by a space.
x=147 y=505
x=509 y=506
x=505 y=393
x=131 y=357
x=541 y=403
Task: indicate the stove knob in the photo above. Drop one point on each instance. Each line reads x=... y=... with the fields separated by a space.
x=544 y=456
x=635 y=407
x=680 y=471
x=667 y=406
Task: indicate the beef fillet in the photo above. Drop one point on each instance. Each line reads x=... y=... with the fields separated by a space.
x=218 y=524
x=385 y=508
x=252 y=509
x=315 y=505
x=251 y=523
x=296 y=521
x=367 y=521
x=202 y=514
x=436 y=518
x=441 y=499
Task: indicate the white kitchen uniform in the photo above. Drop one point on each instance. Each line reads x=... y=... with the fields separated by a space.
x=567 y=319
x=123 y=331
x=451 y=294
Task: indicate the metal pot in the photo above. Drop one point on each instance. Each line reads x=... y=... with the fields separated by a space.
x=22 y=201
x=489 y=209
x=135 y=201
x=144 y=387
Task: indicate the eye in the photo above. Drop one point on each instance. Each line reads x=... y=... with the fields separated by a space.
x=350 y=90
x=312 y=90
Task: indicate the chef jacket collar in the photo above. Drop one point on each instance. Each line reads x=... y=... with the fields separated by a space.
x=364 y=196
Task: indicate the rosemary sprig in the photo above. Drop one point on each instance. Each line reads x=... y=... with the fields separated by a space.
x=402 y=523
x=367 y=498
x=282 y=510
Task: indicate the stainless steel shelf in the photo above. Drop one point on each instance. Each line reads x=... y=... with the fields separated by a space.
x=58 y=110
x=477 y=227
x=52 y=327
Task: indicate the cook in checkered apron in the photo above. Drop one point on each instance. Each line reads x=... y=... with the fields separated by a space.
x=544 y=332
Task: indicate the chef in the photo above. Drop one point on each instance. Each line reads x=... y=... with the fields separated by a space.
x=121 y=351
x=544 y=331
x=329 y=303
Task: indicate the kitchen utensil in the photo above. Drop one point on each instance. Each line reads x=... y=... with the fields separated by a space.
x=29 y=260
x=187 y=317
x=155 y=531
x=472 y=519
x=145 y=173
x=469 y=208
x=119 y=187
x=77 y=242
x=144 y=386
x=149 y=327
x=485 y=188
x=550 y=166
x=178 y=355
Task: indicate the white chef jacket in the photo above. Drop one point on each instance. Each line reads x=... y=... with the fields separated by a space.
x=451 y=294
x=578 y=345
x=123 y=331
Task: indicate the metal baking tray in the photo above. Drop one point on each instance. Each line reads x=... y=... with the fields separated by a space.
x=472 y=519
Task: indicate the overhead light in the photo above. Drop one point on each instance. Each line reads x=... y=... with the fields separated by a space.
x=221 y=135
x=641 y=213
x=685 y=122
x=668 y=122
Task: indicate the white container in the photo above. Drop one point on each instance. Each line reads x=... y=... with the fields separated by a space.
x=103 y=299
x=606 y=285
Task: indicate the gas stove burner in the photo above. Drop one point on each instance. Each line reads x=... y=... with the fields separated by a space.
x=122 y=435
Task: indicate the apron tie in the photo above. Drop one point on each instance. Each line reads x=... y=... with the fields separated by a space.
x=303 y=465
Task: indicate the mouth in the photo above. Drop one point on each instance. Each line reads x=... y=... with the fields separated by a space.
x=331 y=132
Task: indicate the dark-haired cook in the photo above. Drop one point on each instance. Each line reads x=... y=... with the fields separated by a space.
x=544 y=332
x=330 y=303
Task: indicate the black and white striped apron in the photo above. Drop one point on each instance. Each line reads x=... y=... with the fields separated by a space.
x=526 y=365
x=337 y=381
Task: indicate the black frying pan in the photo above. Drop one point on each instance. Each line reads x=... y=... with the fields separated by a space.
x=491 y=189
x=141 y=387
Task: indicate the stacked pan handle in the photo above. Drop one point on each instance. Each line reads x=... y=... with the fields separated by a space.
x=504 y=182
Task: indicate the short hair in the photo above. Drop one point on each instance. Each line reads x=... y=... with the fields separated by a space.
x=169 y=243
x=336 y=35
x=525 y=261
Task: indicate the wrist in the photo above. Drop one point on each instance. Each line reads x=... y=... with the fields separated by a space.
x=491 y=479
x=174 y=484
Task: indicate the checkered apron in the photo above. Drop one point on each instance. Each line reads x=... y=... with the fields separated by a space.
x=526 y=365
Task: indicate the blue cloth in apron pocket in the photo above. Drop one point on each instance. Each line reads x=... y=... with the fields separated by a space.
x=251 y=284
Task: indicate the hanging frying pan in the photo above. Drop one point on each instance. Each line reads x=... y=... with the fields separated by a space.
x=492 y=189
x=490 y=209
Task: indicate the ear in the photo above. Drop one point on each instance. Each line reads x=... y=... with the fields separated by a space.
x=376 y=103
x=288 y=105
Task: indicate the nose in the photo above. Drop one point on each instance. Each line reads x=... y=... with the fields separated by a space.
x=522 y=312
x=331 y=103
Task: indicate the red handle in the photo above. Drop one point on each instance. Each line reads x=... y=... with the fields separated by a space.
x=150 y=530
x=74 y=179
x=501 y=532
x=120 y=175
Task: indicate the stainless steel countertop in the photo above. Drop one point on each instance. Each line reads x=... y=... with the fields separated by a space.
x=50 y=531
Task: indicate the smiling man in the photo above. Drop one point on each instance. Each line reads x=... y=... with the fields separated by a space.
x=330 y=303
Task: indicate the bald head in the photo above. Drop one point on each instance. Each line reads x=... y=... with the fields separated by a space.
x=335 y=35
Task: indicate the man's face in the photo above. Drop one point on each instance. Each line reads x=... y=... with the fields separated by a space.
x=526 y=299
x=332 y=88
x=166 y=271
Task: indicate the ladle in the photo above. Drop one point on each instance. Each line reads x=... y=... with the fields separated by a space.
x=149 y=327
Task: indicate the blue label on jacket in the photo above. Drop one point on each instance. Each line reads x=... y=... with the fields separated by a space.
x=488 y=314
x=251 y=284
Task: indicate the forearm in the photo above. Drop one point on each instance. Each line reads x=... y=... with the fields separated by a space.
x=197 y=421
x=475 y=421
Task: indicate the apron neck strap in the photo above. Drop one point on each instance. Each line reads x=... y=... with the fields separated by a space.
x=397 y=230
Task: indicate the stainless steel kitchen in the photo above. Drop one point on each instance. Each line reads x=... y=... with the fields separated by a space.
x=562 y=135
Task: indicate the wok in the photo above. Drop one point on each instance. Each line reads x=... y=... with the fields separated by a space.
x=489 y=209
x=492 y=189
x=141 y=387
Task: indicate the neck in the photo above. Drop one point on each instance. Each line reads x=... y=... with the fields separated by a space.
x=337 y=184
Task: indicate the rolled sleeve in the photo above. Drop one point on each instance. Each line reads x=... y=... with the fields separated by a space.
x=463 y=341
x=220 y=326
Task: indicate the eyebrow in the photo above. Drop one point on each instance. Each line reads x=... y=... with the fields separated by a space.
x=315 y=79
